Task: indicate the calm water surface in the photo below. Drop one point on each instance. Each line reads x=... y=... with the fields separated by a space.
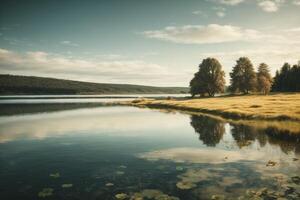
x=37 y=99
x=131 y=153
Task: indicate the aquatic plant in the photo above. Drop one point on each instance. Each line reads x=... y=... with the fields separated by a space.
x=109 y=184
x=46 y=192
x=121 y=196
x=217 y=197
x=55 y=175
x=120 y=172
x=152 y=194
x=179 y=168
x=190 y=178
x=67 y=185
x=185 y=185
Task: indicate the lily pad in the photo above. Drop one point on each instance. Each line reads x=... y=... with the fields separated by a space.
x=185 y=185
x=152 y=194
x=121 y=196
x=109 y=184
x=179 y=168
x=46 y=192
x=67 y=185
x=120 y=172
x=217 y=197
x=55 y=175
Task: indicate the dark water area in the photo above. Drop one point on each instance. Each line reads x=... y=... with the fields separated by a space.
x=132 y=153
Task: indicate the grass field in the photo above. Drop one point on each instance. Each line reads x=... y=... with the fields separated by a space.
x=270 y=107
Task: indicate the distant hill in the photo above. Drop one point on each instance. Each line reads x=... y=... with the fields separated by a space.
x=11 y=84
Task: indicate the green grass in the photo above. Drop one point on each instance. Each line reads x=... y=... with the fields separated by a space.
x=10 y=85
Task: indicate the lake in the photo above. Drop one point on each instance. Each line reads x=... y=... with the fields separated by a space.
x=36 y=99
x=120 y=152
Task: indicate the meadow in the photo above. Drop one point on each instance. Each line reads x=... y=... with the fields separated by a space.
x=279 y=106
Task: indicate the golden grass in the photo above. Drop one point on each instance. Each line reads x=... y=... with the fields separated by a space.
x=270 y=107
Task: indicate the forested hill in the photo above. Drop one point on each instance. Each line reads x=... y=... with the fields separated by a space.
x=11 y=84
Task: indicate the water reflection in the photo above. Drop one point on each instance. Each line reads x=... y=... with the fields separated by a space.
x=101 y=120
x=245 y=135
x=211 y=132
x=110 y=152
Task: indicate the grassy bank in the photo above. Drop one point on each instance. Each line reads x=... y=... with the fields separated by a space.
x=247 y=107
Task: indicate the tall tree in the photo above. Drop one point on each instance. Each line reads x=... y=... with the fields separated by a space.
x=281 y=78
x=209 y=80
x=243 y=76
x=264 y=79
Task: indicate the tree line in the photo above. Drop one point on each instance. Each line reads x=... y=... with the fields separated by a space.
x=210 y=78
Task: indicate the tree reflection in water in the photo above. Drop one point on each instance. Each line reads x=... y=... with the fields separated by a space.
x=211 y=132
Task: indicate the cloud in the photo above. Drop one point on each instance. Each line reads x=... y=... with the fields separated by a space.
x=274 y=56
x=69 y=43
x=270 y=5
x=200 y=13
x=198 y=34
x=221 y=14
x=111 y=56
x=296 y=2
x=112 y=71
x=228 y=2
x=220 y=11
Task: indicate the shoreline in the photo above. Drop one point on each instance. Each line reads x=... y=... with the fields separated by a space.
x=279 y=106
x=283 y=113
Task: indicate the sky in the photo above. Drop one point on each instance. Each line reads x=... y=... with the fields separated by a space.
x=148 y=42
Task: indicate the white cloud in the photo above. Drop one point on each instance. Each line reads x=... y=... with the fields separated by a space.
x=220 y=11
x=112 y=71
x=221 y=14
x=198 y=34
x=274 y=56
x=296 y=2
x=111 y=56
x=228 y=2
x=200 y=13
x=69 y=43
x=270 y=5
x=215 y=33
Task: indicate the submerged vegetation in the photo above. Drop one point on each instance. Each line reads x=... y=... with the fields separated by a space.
x=46 y=192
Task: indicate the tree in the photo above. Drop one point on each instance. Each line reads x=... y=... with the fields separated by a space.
x=276 y=84
x=264 y=79
x=197 y=86
x=243 y=76
x=209 y=79
x=287 y=79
